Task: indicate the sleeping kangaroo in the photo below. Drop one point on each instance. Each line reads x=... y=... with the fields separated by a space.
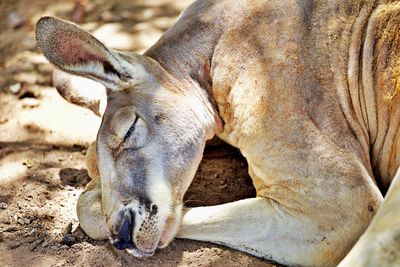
x=307 y=90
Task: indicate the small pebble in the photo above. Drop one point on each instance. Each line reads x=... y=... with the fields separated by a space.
x=32 y=232
x=28 y=163
x=3 y=205
x=68 y=240
x=15 y=88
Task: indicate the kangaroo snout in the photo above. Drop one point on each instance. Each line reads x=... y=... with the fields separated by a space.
x=137 y=229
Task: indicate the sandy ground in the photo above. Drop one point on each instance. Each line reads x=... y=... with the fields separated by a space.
x=43 y=141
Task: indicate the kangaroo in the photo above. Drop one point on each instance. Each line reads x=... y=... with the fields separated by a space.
x=307 y=90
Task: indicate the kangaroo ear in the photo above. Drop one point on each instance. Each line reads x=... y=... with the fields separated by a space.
x=81 y=91
x=76 y=51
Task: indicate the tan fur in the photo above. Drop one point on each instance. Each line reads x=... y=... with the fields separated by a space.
x=307 y=90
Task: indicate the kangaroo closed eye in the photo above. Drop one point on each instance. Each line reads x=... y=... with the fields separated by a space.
x=131 y=129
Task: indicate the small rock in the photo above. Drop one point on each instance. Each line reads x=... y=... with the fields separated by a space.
x=68 y=240
x=56 y=248
x=21 y=221
x=64 y=247
x=3 y=205
x=26 y=220
x=15 y=88
x=33 y=232
x=15 y=20
x=28 y=163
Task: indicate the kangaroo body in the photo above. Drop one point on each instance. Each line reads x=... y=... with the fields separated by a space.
x=307 y=90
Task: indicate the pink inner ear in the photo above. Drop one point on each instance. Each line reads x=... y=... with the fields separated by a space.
x=75 y=51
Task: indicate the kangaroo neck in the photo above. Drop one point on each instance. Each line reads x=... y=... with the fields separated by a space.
x=186 y=49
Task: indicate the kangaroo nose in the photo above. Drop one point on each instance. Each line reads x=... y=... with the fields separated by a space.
x=125 y=235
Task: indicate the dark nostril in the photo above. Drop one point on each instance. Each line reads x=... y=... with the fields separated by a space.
x=125 y=231
x=153 y=209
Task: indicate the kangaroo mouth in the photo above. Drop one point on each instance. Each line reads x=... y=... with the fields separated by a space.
x=131 y=248
x=140 y=254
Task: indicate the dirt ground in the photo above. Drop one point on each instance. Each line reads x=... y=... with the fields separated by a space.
x=43 y=141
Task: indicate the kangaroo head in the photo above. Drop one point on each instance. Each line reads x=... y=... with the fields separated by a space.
x=150 y=141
